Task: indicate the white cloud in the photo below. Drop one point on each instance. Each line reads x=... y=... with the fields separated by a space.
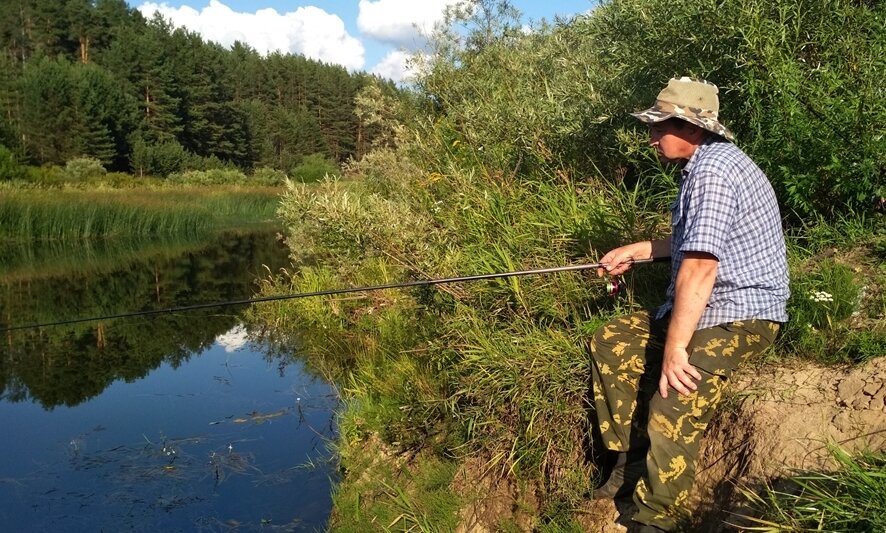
x=403 y=23
x=395 y=66
x=308 y=30
x=234 y=339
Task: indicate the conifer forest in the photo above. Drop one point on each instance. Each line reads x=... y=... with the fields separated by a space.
x=96 y=79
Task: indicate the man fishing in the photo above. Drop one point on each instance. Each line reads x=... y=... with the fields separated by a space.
x=658 y=376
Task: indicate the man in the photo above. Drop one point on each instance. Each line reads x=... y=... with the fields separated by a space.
x=657 y=377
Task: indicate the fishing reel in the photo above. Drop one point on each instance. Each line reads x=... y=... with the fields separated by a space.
x=614 y=286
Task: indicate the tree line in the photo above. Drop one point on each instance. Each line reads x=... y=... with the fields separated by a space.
x=95 y=78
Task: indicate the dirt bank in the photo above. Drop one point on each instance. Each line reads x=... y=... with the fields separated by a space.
x=782 y=418
x=777 y=418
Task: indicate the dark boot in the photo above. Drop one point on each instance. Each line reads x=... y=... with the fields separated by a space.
x=627 y=468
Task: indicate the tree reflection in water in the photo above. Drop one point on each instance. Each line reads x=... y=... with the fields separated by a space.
x=65 y=365
x=177 y=422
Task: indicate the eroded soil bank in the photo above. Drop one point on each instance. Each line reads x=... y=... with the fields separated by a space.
x=778 y=418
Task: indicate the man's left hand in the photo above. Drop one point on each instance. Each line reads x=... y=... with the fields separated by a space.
x=677 y=372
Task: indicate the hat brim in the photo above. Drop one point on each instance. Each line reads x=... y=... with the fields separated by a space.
x=654 y=116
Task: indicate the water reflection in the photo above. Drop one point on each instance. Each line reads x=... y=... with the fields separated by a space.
x=232 y=438
x=65 y=365
x=180 y=422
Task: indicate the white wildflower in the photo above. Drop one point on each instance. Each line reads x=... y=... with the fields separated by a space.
x=821 y=296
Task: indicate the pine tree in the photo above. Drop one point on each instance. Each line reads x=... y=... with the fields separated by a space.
x=109 y=113
x=52 y=127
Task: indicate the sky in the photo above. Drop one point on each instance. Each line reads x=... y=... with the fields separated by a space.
x=373 y=36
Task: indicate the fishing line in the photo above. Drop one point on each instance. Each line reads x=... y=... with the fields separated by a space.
x=613 y=286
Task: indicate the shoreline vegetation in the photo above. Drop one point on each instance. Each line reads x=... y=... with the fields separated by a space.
x=42 y=215
x=466 y=407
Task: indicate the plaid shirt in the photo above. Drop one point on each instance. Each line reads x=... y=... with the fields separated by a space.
x=726 y=207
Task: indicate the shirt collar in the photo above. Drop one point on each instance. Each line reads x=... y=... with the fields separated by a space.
x=705 y=145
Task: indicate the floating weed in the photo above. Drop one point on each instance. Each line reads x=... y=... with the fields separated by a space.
x=223 y=463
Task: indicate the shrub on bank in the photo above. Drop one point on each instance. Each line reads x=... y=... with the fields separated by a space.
x=10 y=169
x=84 y=169
x=217 y=176
x=313 y=168
x=268 y=177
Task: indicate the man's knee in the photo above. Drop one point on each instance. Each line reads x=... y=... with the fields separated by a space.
x=603 y=342
x=620 y=335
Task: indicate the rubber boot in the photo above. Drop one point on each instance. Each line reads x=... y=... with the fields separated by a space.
x=627 y=469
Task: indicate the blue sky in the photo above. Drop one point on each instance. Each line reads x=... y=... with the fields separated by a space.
x=371 y=35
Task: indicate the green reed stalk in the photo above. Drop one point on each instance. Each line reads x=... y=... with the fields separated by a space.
x=43 y=215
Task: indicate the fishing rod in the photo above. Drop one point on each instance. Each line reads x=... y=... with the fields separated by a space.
x=613 y=286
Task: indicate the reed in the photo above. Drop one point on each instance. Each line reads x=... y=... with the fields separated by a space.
x=75 y=215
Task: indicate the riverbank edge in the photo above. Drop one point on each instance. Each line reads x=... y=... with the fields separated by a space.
x=37 y=214
x=778 y=419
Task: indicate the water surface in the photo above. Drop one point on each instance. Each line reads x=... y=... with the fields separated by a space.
x=184 y=422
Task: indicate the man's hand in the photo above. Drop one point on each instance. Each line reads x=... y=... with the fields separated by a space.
x=677 y=372
x=618 y=261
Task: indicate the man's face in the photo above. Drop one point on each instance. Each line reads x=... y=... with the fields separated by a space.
x=675 y=141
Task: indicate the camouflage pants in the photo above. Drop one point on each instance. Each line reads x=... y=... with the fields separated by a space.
x=626 y=366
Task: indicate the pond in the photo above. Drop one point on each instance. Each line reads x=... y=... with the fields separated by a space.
x=172 y=422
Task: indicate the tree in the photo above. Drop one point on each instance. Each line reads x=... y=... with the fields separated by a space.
x=164 y=90
x=109 y=113
x=52 y=127
x=82 y=26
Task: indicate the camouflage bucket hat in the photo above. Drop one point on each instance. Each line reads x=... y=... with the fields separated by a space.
x=692 y=100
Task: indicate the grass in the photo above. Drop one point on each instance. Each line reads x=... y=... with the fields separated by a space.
x=384 y=497
x=850 y=499
x=838 y=292
x=28 y=215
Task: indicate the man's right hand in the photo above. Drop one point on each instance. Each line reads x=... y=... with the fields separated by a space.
x=620 y=260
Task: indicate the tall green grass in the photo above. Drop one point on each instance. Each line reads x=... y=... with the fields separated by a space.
x=29 y=215
x=850 y=499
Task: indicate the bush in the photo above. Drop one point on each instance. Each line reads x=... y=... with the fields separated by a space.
x=269 y=177
x=48 y=175
x=805 y=102
x=208 y=177
x=161 y=159
x=122 y=180
x=10 y=169
x=313 y=168
x=84 y=169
